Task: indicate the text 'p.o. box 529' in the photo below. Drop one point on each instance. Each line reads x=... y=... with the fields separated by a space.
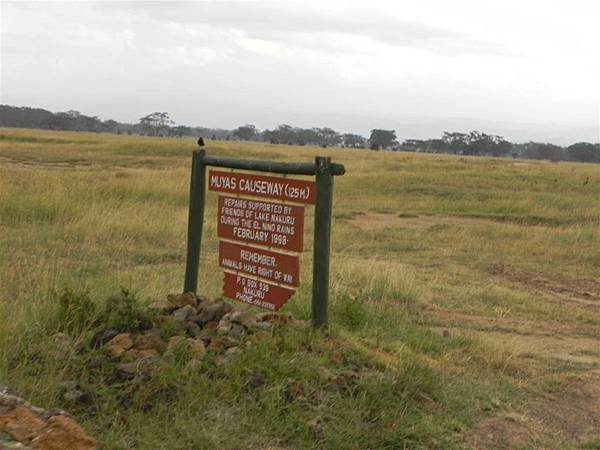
x=260 y=240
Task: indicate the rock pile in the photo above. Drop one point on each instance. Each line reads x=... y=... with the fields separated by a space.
x=23 y=426
x=184 y=327
x=198 y=324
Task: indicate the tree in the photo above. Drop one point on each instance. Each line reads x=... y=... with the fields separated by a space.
x=456 y=142
x=436 y=145
x=156 y=122
x=181 y=130
x=283 y=134
x=381 y=139
x=353 y=141
x=584 y=152
x=111 y=126
x=477 y=143
x=15 y=116
x=59 y=121
x=327 y=136
x=546 y=151
x=246 y=132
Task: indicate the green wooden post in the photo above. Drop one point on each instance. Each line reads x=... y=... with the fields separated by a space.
x=321 y=249
x=195 y=221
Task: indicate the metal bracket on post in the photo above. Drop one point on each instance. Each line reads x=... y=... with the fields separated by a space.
x=322 y=240
x=195 y=221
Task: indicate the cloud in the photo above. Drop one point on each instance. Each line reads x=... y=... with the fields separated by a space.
x=350 y=64
x=300 y=25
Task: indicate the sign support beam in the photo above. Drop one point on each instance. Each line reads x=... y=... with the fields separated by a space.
x=195 y=221
x=322 y=241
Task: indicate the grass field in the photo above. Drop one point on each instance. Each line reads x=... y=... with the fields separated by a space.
x=465 y=297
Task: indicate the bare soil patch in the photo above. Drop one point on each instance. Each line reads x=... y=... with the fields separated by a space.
x=568 y=417
x=527 y=338
x=584 y=289
x=379 y=221
x=24 y=163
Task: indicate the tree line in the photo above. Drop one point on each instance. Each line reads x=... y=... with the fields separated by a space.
x=160 y=124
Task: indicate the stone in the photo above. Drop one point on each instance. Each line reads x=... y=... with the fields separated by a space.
x=140 y=367
x=7 y=443
x=63 y=433
x=163 y=307
x=206 y=334
x=42 y=413
x=181 y=300
x=21 y=424
x=274 y=317
x=183 y=313
x=71 y=392
x=212 y=324
x=10 y=401
x=96 y=362
x=75 y=396
x=148 y=353
x=224 y=327
x=196 y=349
x=232 y=350
x=130 y=355
x=194 y=318
x=316 y=429
x=264 y=326
x=102 y=337
x=148 y=341
x=214 y=311
x=228 y=341
x=174 y=342
x=216 y=345
x=119 y=345
x=259 y=336
x=293 y=390
x=237 y=331
x=254 y=381
x=202 y=300
x=192 y=329
x=243 y=318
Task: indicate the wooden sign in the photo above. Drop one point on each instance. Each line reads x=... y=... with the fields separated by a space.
x=261 y=227
x=261 y=223
x=255 y=292
x=277 y=188
x=273 y=266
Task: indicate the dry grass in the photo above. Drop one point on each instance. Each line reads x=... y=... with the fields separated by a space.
x=414 y=238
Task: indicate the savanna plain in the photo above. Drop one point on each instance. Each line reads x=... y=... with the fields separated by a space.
x=464 y=310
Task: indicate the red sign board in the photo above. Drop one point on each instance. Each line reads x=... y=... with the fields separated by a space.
x=256 y=292
x=278 y=267
x=262 y=223
x=276 y=188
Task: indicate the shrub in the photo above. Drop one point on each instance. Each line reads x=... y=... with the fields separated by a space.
x=124 y=312
x=75 y=312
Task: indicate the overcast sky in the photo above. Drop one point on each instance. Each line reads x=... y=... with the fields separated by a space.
x=528 y=69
